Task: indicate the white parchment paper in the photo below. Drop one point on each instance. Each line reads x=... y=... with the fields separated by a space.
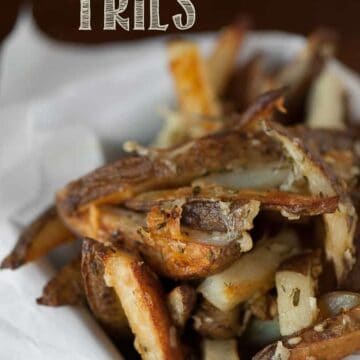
x=63 y=110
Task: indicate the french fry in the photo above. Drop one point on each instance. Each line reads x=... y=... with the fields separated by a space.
x=103 y=301
x=43 y=235
x=222 y=60
x=252 y=274
x=296 y=286
x=181 y=302
x=213 y=323
x=144 y=304
x=65 y=288
x=339 y=226
x=333 y=339
x=194 y=91
x=327 y=105
x=220 y=349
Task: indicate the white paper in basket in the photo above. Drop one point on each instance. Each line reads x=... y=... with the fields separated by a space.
x=59 y=132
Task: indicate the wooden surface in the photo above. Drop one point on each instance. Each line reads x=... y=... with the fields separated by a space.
x=60 y=19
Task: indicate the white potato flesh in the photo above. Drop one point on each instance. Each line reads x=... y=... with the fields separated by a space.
x=327 y=104
x=251 y=274
x=296 y=301
x=220 y=349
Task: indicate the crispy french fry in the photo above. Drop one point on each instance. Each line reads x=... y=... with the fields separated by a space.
x=327 y=105
x=181 y=302
x=144 y=304
x=43 y=235
x=222 y=60
x=103 y=301
x=220 y=349
x=333 y=339
x=339 y=226
x=65 y=288
x=194 y=91
x=252 y=274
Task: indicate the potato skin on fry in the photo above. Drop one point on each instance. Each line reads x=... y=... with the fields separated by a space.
x=65 y=288
x=103 y=301
x=333 y=339
x=43 y=235
x=144 y=304
x=159 y=169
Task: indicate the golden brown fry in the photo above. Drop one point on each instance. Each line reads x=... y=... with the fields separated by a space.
x=144 y=304
x=65 y=288
x=201 y=202
x=333 y=339
x=339 y=226
x=222 y=60
x=43 y=235
x=184 y=253
x=181 y=301
x=158 y=169
x=103 y=301
x=213 y=323
x=194 y=91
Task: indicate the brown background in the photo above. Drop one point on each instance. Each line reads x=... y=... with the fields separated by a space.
x=60 y=19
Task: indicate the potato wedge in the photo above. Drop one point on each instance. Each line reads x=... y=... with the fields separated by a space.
x=181 y=302
x=252 y=274
x=65 y=288
x=220 y=349
x=296 y=286
x=103 y=301
x=221 y=62
x=339 y=226
x=194 y=91
x=43 y=235
x=333 y=339
x=213 y=323
x=144 y=304
x=327 y=105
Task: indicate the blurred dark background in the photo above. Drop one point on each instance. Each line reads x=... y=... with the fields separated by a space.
x=60 y=19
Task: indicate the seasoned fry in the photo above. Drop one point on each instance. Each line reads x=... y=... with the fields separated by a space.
x=340 y=226
x=194 y=90
x=65 y=288
x=144 y=304
x=245 y=277
x=333 y=339
x=184 y=253
x=181 y=302
x=222 y=60
x=220 y=349
x=213 y=323
x=327 y=106
x=202 y=207
x=296 y=286
x=43 y=235
x=159 y=169
x=102 y=300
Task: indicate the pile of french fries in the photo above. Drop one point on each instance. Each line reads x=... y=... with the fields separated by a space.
x=235 y=234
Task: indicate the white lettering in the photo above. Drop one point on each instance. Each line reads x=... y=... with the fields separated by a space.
x=155 y=17
x=112 y=17
x=85 y=15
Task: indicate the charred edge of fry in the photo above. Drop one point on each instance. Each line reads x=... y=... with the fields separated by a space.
x=65 y=288
x=41 y=236
x=102 y=300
